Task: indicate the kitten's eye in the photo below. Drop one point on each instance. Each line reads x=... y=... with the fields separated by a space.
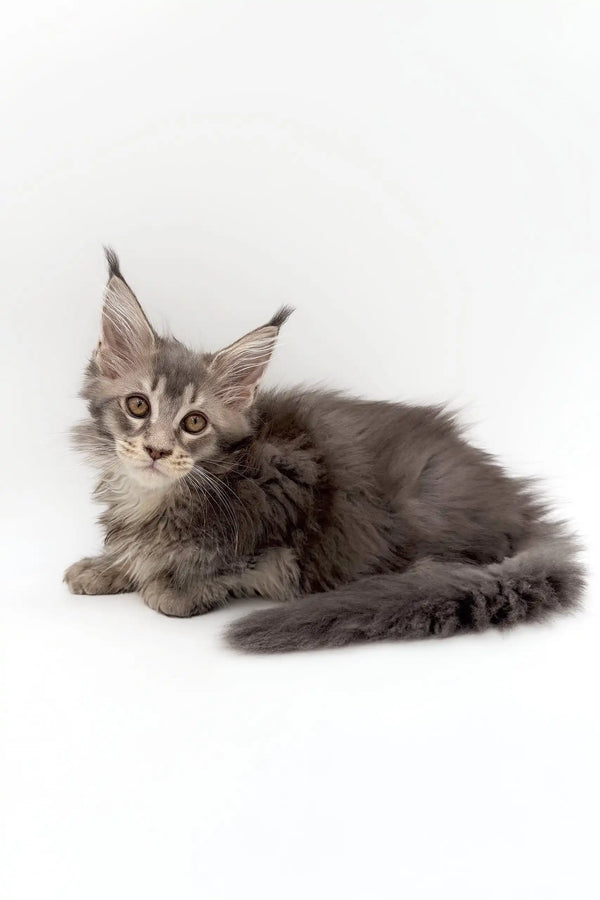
x=138 y=406
x=194 y=423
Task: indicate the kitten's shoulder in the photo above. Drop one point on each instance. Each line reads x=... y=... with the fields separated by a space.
x=289 y=412
x=293 y=408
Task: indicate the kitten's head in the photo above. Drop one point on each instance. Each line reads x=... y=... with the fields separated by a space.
x=158 y=408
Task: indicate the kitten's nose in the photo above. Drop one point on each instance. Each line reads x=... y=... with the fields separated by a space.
x=153 y=453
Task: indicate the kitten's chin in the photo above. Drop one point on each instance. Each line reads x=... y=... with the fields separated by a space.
x=150 y=477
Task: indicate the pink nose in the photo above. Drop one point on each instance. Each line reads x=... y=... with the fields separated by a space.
x=153 y=453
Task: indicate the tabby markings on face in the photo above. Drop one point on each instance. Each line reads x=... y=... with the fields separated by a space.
x=163 y=432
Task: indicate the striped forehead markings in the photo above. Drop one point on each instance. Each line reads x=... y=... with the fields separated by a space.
x=187 y=394
x=189 y=400
x=155 y=397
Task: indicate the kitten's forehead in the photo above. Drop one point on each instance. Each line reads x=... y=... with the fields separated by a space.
x=167 y=403
x=177 y=372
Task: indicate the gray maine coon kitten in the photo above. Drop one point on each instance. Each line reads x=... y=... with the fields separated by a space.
x=366 y=521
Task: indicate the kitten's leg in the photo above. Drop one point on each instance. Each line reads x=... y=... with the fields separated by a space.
x=97 y=575
x=273 y=574
x=164 y=596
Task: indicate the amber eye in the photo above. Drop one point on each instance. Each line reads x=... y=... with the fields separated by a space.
x=194 y=423
x=138 y=406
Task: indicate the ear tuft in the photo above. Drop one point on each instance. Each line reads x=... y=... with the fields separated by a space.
x=113 y=263
x=281 y=316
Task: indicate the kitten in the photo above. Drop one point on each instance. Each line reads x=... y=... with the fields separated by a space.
x=365 y=520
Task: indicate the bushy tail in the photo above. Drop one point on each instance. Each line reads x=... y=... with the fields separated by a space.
x=430 y=599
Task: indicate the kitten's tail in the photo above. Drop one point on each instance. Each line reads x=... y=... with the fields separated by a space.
x=430 y=599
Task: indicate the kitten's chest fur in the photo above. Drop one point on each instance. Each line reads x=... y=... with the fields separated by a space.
x=150 y=531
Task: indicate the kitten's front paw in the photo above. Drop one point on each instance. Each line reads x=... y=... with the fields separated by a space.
x=95 y=575
x=164 y=599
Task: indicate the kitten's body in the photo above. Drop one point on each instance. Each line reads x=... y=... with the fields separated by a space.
x=392 y=524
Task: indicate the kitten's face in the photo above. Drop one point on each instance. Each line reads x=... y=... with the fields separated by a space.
x=161 y=427
x=161 y=411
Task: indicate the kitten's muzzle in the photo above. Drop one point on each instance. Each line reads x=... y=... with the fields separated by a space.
x=155 y=454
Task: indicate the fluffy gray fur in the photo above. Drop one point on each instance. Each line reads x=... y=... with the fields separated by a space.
x=371 y=520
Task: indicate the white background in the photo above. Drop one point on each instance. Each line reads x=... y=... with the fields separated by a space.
x=420 y=179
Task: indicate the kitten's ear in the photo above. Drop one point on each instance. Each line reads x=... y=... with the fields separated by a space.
x=239 y=368
x=127 y=335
